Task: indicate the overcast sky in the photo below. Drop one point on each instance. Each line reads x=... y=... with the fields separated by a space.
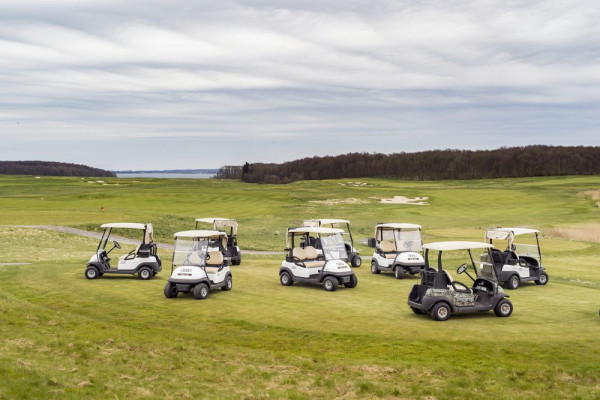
x=198 y=84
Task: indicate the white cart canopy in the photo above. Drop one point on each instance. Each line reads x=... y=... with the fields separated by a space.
x=324 y=221
x=446 y=246
x=311 y=229
x=219 y=223
x=203 y=234
x=126 y=225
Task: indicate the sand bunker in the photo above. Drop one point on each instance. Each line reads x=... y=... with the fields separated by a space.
x=332 y=202
x=592 y=194
x=355 y=184
x=415 y=201
x=586 y=232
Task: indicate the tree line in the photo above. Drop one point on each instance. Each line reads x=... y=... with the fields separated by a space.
x=51 y=168
x=505 y=162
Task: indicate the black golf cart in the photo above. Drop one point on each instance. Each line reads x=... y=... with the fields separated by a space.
x=441 y=296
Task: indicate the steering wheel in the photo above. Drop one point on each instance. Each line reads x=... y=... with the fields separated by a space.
x=465 y=290
x=462 y=268
x=523 y=263
x=117 y=245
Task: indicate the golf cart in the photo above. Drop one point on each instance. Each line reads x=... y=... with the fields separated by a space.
x=230 y=227
x=519 y=262
x=398 y=249
x=198 y=264
x=353 y=257
x=305 y=264
x=441 y=296
x=142 y=260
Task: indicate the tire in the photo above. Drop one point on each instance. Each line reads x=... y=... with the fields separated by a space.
x=201 y=291
x=330 y=284
x=356 y=261
x=91 y=273
x=145 y=273
x=513 y=282
x=441 y=311
x=417 y=311
x=544 y=278
x=399 y=272
x=504 y=308
x=228 y=284
x=285 y=279
x=170 y=291
x=353 y=282
x=374 y=269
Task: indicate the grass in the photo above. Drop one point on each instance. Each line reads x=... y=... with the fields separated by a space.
x=118 y=337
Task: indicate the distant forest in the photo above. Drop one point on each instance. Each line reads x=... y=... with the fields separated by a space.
x=428 y=165
x=50 y=168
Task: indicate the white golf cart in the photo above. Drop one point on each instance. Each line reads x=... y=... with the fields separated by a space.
x=306 y=265
x=353 y=257
x=398 y=249
x=441 y=296
x=142 y=260
x=519 y=262
x=197 y=267
x=229 y=226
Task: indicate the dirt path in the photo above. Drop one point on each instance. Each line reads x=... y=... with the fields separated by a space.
x=96 y=235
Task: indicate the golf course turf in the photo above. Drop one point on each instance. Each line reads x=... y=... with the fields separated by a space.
x=64 y=336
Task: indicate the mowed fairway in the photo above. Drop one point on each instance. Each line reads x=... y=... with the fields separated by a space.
x=117 y=337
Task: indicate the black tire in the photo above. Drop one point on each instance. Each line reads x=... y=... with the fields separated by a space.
x=417 y=311
x=353 y=282
x=513 y=282
x=441 y=311
x=228 y=284
x=201 y=291
x=374 y=269
x=170 y=291
x=91 y=273
x=236 y=261
x=544 y=278
x=504 y=308
x=356 y=261
x=399 y=272
x=145 y=273
x=285 y=279
x=330 y=284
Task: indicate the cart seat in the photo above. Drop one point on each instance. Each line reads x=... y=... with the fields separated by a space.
x=211 y=270
x=388 y=249
x=311 y=253
x=314 y=264
x=137 y=249
x=214 y=258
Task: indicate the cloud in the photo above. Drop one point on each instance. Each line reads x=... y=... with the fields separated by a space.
x=314 y=77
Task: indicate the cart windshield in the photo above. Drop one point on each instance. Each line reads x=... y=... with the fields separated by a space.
x=190 y=251
x=529 y=250
x=408 y=240
x=333 y=247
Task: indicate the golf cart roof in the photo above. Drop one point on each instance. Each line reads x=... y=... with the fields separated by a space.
x=127 y=225
x=315 y=229
x=212 y=220
x=505 y=233
x=445 y=246
x=393 y=225
x=200 y=233
x=325 y=221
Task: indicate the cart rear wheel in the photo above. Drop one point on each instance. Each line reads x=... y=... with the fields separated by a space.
x=399 y=272
x=374 y=269
x=353 y=282
x=145 y=273
x=441 y=312
x=170 y=291
x=543 y=279
x=513 y=282
x=330 y=284
x=201 y=291
x=356 y=261
x=228 y=284
x=504 y=308
x=91 y=273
